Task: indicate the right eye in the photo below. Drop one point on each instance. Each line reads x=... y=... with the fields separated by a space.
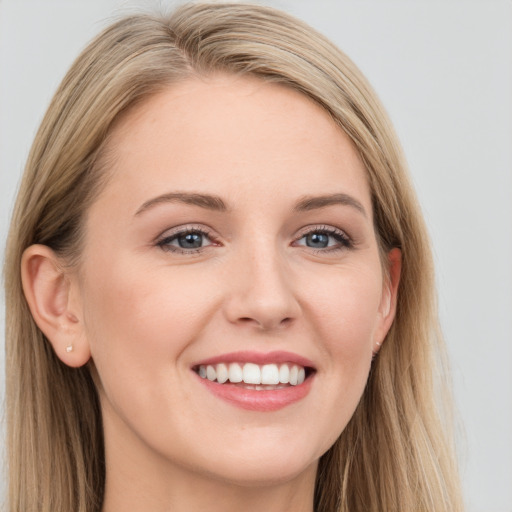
x=189 y=240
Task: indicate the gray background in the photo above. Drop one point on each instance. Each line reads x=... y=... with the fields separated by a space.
x=444 y=71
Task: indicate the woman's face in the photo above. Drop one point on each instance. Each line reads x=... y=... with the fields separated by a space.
x=234 y=239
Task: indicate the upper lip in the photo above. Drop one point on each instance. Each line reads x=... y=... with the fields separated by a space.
x=261 y=358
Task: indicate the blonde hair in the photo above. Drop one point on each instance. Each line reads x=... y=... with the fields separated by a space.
x=396 y=453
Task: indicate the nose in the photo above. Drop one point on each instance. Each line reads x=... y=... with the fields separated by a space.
x=260 y=292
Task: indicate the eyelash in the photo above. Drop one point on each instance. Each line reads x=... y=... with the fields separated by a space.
x=343 y=240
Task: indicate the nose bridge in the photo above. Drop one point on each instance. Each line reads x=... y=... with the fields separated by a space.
x=261 y=286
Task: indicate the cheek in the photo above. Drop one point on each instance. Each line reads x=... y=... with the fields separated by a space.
x=141 y=319
x=345 y=312
x=138 y=323
x=122 y=297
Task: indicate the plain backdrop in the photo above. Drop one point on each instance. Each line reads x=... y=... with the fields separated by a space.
x=443 y=69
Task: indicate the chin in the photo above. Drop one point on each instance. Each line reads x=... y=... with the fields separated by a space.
x=266 y=473
x=261 y=466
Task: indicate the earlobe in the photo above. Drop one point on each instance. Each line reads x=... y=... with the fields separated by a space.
x=47 y=288
x=388 y=303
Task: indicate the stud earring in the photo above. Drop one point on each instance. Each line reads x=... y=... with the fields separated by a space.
x=69 y=348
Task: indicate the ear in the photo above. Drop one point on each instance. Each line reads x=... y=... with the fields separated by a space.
x=48 y=289
x=387 y=307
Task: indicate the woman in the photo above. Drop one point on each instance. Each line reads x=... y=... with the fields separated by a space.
x=219 y=285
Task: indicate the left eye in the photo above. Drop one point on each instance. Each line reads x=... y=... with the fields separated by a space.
x=324 y=239
x=185 y=240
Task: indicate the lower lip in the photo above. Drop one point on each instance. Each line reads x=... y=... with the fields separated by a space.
x=253 y=400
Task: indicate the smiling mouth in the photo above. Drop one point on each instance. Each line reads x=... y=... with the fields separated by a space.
x=266 y=377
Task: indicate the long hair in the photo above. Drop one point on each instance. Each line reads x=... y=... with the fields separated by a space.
x=396 y=453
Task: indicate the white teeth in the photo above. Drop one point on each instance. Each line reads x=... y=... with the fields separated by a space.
x=222 y=373
x=284 y=374
x=253 y=374
x=294 y=373
x=211 y=374
x=270 y=374
x=235 y=373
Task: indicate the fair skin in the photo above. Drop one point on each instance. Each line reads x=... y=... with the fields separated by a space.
x=279 y=263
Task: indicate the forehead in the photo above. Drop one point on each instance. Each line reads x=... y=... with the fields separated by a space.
x=219 y=131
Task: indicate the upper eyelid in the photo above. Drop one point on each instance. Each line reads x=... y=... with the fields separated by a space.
x=206 y=229
x=322 y=228
x=185 y=228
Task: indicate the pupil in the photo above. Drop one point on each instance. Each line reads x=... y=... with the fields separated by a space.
x=190 y=241
x=317 y=240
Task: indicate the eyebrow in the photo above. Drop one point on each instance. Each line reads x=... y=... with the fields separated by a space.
x=215 y=203
x=207 y=201
x=314 y=202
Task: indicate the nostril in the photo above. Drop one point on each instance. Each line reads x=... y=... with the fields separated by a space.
x=271 y=323
x=247 y=319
